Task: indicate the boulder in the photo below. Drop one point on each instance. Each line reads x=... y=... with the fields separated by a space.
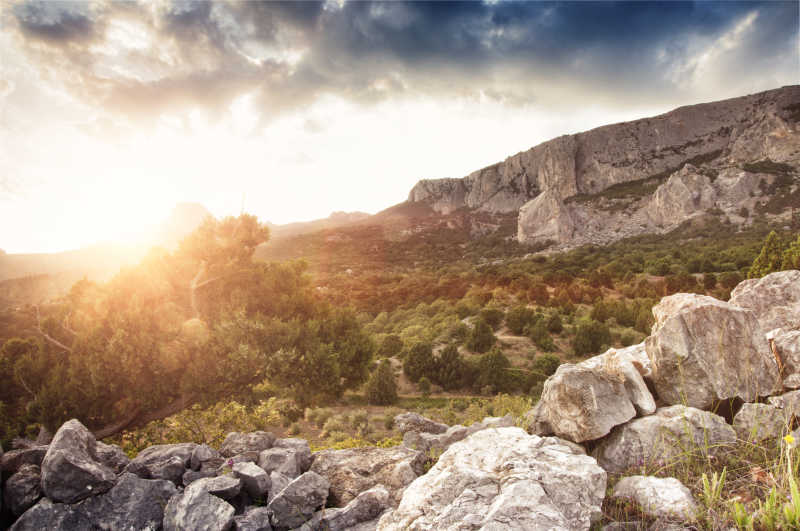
x=236 y=443
x=428 y=443
x=70 y=469
x=226 y=464
x=788 y=402
x=162 y=461
x=302 y=451
x=686 y=192
x=775 y=299
x=704 y=350
x=787 y=346
x=282 y=460
x=255 y=481
x=278 y=482
x=202 y=453
x=366 y=507
x=112 y=456
x=658 y=497
x=133 y=503
x=405 y=422
x=758 y=422
x=12 y=460
x=584 y=401
x=198 y=510
x=354 y=470
x=298 y=501
x=666 y=435
x=503 y=479
x=52 y=517
x=23 y=489
x=254 y=519
x=225 y=487
x=190 y=476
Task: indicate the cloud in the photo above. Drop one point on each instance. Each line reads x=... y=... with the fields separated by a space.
x=183 y=55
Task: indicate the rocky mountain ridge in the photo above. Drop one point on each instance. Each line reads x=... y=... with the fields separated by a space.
x=617 y=180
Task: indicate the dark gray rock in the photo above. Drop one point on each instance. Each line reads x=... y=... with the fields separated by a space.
x=278 y=482
x=162 y=461
x=365 y=507
x=197 y=510
x=302 y=451
x=132 y=504
x=191 y=476
x=70 y=470
x=255 y=481
x=282 y=460
x=405 y=422
x=23 y=489
x=254 y=519
x=112 y=456
x=298 y=502
x=238 y=443
x=202 y=454
x=52 y=517
x=225 y=487
x=227 y=463
x=12 y=460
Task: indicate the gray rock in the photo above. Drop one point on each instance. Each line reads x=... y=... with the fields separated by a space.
x=190 y=476
x=503 y=479
x=202 y=453
x=296 y=503
x=225 y=487
x=787 y=346
x=704 y=350
x=758 y=422
x=132 y=504
x=196 y=509
x=280 y=460
x=70 y=470
x=227 y=463
x=255 y=480
x=162 y=461
x=52 y=517
x=12 y=460
x=658 y=497
x=354 y=470
x=112 y=456
x=23 y=489
x=236 y=443
x=585 y=401
x=255 y=519
x=302 y=451
x=365 y=507
x=788 y=402
x=278 y=482
x=775 y=299
x=686 y=192
x=545 y=218
x=405 y=422
x=430 y=443
x=663 y=437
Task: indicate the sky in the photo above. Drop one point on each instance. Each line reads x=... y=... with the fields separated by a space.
x=113 y=112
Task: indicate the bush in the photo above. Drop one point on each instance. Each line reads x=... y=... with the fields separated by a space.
x=381 y=387
x=518 y=318
x=391 y=346
x=419 y=361
x=539 y=335
x=492 y=316
x=450 y=368
x=480 y=338
x=538 y=294
x=493 y=371
x=424 y=386
x=590 y=337
x=554 y=325
x=546 y=364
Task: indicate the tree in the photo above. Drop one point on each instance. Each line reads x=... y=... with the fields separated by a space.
x=480 y=338
x=493 y=371
x=769 y=259
x=518 y=318
x=391 y=346
x=381 y=389
x=450 y=368
x=590 y=337
x=419 y=361
x=546 y=364
x=492 y=316
x=791 y=256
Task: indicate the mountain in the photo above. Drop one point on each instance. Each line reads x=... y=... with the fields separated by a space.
x=336 y=219
x=740 y=156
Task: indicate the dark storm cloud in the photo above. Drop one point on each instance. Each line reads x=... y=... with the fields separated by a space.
x=368 y=51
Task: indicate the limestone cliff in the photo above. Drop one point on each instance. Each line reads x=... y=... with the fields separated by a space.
x=717 y=138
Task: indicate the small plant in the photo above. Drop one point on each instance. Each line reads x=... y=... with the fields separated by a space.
x=741 y=517
x=294 y=429
x=712 y=488
x=424 y=386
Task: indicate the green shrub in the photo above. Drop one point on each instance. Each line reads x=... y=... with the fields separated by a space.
x=381 y=389
x=554 y=325
x=419 y=361
x=492 y=316
x=391 y=346
x=539 y=335
x=450 y=368
x=590 y=337
x=424 y=386
x=518 y=318
x=480 y=338
x=546 y=364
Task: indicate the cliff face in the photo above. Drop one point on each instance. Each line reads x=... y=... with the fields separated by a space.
x=740 y=130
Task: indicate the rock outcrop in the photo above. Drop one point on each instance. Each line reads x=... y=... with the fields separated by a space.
x=704 y=350
x=436 y=443
x=659 y=497
x=775 y=300
x=503 y=479
x=628 y=161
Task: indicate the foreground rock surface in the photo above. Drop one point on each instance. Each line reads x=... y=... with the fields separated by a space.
x=584 y=401
x=663 y=436
x=352 y=471
x=758 y=422
x=503 y=479
x=23 y=489
x=704 y=350
x=296 y=503
x=659 y=497
x=428 y=443
x=70 y=470
x=775 y=299
x=133 y=503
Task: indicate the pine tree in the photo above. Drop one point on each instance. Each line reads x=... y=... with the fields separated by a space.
x=381 y=387
x=769 y=259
